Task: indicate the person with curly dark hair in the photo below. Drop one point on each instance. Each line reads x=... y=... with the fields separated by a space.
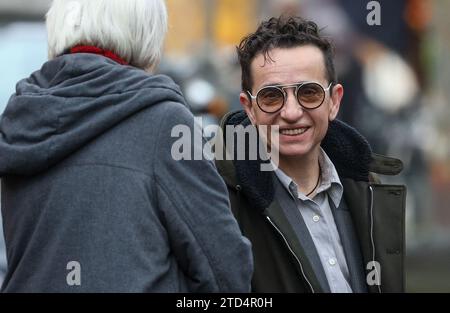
x=321 y=221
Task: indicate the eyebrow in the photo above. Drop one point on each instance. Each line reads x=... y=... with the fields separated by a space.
x=281 y=84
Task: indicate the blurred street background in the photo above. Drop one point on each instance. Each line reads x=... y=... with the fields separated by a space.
x=396 y=78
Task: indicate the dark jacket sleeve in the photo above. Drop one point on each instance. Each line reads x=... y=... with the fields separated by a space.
x=2 y=250
x=193 y=202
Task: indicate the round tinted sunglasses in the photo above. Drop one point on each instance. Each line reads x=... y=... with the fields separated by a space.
x=271 y=99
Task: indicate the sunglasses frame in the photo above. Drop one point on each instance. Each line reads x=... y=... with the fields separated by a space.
x=282 y=89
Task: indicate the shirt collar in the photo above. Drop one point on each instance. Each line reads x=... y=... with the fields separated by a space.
x=330 y=181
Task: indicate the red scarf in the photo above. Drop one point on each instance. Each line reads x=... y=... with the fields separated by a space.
x=91 y=49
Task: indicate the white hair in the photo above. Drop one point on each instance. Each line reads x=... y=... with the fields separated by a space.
x=133 y=29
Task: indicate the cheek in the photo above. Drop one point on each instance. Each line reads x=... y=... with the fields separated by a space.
x=263 y=118
x=321 y=125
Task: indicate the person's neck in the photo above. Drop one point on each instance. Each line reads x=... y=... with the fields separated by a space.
x=304 y=170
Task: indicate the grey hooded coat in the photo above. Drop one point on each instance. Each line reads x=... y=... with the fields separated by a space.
x=92 y=200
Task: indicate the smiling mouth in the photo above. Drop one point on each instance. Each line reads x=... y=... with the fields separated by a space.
x=294 y=132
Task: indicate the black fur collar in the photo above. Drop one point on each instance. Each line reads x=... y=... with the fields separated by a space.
x=348 y=150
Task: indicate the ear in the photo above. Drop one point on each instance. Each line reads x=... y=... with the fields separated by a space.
x=248 y=106
x=335 y=104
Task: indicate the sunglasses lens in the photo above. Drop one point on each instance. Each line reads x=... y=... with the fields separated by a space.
x=311 y=95
x=270 y=99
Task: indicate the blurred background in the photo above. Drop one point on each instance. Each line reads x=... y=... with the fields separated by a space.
x=396 y=78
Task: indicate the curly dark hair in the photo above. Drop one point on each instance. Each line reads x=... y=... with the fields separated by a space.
x=283 y=32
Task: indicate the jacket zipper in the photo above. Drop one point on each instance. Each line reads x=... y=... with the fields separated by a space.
x=292 y=252
x=372 y=241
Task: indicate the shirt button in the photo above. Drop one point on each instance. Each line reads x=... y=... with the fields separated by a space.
x=316 y=218
x=332 y=261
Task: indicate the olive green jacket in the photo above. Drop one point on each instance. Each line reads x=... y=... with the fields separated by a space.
x=371 y=219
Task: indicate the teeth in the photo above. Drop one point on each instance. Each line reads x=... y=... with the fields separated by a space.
x=293 y=132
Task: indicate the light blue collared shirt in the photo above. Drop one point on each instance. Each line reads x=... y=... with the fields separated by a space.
x=320 y=222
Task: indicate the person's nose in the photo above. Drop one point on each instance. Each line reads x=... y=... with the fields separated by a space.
x=292 y=110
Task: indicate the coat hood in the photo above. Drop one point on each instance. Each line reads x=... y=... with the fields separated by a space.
x=67 y=103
